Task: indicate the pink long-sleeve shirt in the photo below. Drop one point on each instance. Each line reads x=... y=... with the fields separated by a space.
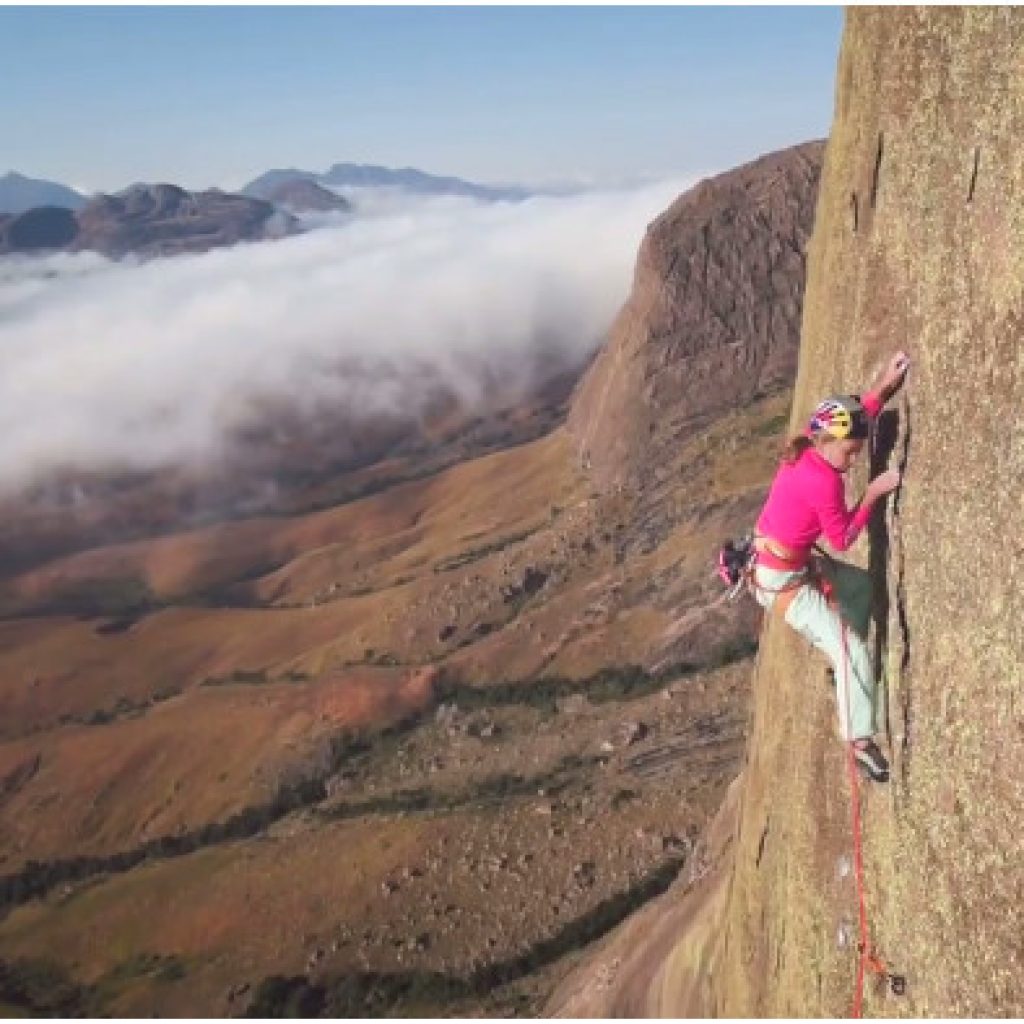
x=808 y=499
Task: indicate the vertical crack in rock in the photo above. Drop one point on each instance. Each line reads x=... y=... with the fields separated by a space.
x=761 y=842
x=885 y=438
x=877 y=170
x=901 y=604
x=974 y=174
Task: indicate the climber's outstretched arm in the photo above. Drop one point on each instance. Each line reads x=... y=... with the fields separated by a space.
x=891 y=378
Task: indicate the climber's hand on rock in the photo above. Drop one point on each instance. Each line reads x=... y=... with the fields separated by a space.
x=896 y=371
x=885 y=483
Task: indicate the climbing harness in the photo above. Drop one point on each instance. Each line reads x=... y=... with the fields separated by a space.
x=737 y=560
x=737 y=565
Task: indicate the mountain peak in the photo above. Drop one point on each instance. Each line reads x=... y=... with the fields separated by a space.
x=409 y=179
x=19 y=193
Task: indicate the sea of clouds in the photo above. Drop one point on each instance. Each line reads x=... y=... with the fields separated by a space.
x=107 y=364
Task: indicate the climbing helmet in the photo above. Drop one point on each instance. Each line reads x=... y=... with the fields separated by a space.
x=842 y=417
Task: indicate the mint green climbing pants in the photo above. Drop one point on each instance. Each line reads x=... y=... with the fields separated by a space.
x=813 y=618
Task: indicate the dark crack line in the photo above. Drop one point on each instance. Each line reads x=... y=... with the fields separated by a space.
x=877 y=169
x=901 y=602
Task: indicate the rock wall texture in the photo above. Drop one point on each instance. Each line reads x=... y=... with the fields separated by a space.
x=713 y=319
x=918 y=243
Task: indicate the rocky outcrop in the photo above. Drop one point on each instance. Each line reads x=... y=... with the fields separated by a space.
x=164 y=220
x=43 y=228
x=713 y=319
x=918 y=243
x=146 y=220
x=299 y=195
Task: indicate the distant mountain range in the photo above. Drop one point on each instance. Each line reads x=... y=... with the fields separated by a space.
x=407 y=179
x=38 y=216
x=147 y=220
x=303 y=195
x=18 y=194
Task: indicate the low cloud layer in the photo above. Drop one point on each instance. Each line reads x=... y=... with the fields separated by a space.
x=108 y=365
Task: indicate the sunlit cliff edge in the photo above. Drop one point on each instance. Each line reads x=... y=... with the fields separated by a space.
x=918 y=244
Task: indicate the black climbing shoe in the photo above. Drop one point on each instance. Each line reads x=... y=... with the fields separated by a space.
x=871 y=761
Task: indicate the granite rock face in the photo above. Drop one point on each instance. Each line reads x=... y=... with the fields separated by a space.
x=713 y=319
x=918 y=244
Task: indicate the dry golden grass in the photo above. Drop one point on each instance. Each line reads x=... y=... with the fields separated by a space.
x=62 y=666
x=53 y=667
x=189 y=761
x=240 y=911
x=199 y=753
x=226 y=911
x=206 y=752
x=374 y=542
x=415 y=520
x=348 y=591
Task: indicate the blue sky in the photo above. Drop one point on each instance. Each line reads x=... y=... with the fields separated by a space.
x=201 y=96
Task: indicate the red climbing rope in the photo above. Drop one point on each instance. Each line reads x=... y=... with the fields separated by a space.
x=868 y=959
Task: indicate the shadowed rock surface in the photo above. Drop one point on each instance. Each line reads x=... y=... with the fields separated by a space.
x=43 y=228
x=918 y=243
x=713 y=320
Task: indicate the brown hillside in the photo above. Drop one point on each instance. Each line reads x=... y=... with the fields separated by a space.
x=99 y=790
x=713 y=319
x=918 y=243
x=289 y=461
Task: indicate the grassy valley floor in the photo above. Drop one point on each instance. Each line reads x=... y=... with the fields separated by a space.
x=406 y=755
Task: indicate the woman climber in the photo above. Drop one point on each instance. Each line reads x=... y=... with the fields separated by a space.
x=826 y=601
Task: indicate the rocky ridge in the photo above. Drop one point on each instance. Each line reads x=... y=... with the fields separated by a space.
x=713 y=319
x=406 y=179
x=146 y=220
x=299 y=195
